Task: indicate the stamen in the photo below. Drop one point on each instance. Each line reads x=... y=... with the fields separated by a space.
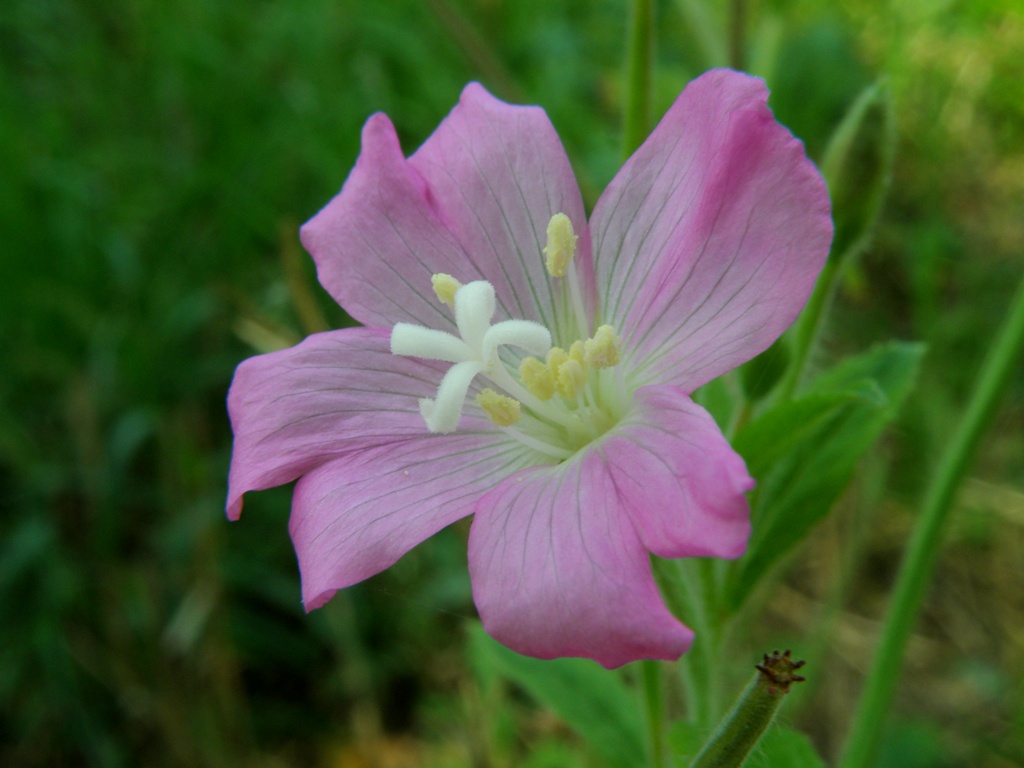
x=540 y=446
x=556 y=357
x=445 y=287
x=560 y=250
x=570 y=379
x=537 y=378
x=561 y=245
x=502 y=410
x=576 y=352
x=591 y=400
x=552 y=413
x=576 y=298
x=604 y=350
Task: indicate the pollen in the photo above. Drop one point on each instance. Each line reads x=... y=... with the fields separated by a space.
x=556 y=356
x=604 y=350
x=503 y=411
x=537 y=378
x=576 y=352
x=445 y=287
x=567 y=369
x=571 y=378
x=561 y=245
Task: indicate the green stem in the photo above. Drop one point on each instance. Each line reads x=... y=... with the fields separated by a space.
x=713 y=629
x=685 y=597
x=700 y=665
x=751 y=715
x=654 y=701
x=919 y=561
x=639 y=64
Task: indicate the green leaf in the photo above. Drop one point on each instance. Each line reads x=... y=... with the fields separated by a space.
x=760 y=375
x=789 y=425
x=591 y=700
x=857 y=166
x=803 y=452
x=719 y=399
x=783 y=746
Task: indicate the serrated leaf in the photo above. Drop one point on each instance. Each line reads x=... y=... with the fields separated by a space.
x=591 y=700
x=804 y=452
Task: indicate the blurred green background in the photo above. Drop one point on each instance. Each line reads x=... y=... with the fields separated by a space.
x=156 y=159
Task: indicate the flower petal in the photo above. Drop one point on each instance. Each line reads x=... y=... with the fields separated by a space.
x=377 y=243
x=335 y=392
x=708 y=241
x=558 y=570
x=473 y=202
x=499 y=173
x=358 y=514
x=677 y=477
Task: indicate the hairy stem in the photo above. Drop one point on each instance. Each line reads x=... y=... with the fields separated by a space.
x=751 y=715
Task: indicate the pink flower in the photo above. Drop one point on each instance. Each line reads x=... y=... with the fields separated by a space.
x=532 y=368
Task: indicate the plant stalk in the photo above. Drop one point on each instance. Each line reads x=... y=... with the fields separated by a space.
x=737 y=33
x=685 y=596
x=654 y=704
x=639 y=65
x=751 y=715
x=919 y=561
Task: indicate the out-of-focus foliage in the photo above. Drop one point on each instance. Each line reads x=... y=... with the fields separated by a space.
x=156 y=158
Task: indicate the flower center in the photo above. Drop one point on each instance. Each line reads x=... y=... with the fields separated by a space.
x=554 y=400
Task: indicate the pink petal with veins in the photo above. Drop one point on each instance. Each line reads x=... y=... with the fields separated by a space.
x=677 y=478
x=709 y=240
x=474 y=202
x=336 y=392
x=559 y=570
x=356 y=515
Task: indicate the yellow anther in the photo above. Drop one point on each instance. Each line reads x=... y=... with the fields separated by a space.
x=604 y=350
x=502 y=410
x=570 y=379
x=556 y=357
x=576 y=352
x=566 y=370
x=537 y=378
x=561 y=245
x=445 y=287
